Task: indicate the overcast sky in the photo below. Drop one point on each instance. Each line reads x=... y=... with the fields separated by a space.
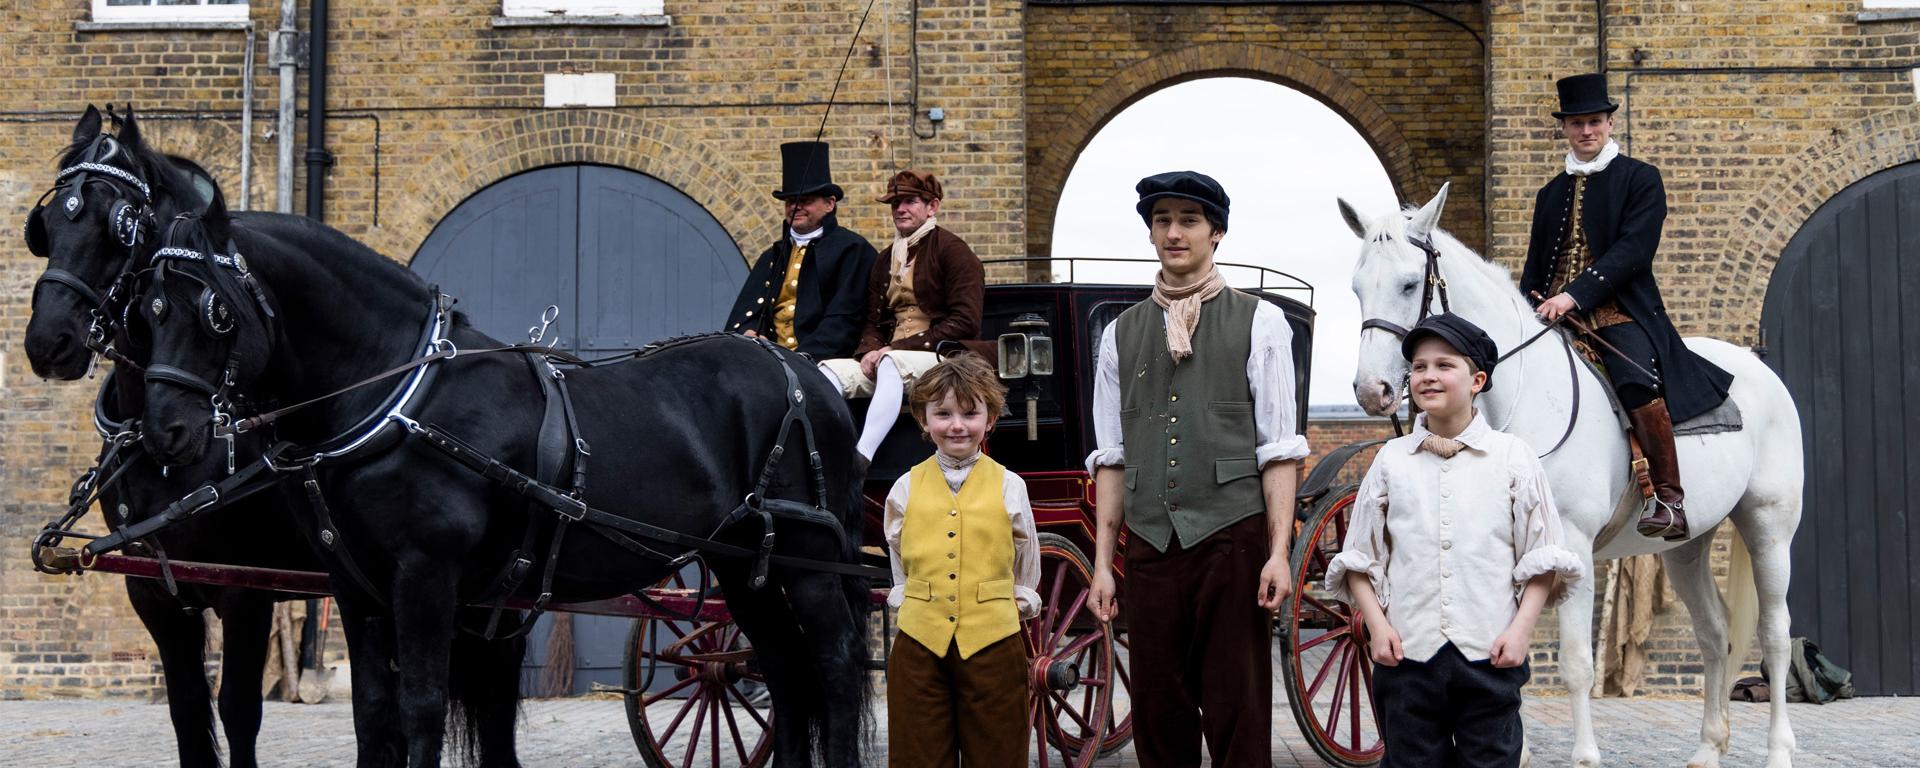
x=1283 y=158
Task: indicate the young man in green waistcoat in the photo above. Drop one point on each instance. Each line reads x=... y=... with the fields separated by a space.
x=1195 y=420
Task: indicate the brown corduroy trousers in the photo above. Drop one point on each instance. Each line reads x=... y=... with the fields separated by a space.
x=1201 y=654
x=943 y=711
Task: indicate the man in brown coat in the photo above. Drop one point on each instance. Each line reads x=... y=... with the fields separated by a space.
x=926 y=288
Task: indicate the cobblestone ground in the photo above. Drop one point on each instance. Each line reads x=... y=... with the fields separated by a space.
x=593 y=731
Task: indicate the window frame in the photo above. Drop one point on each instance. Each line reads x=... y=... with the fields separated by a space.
x=140 y=14
x=581 y=8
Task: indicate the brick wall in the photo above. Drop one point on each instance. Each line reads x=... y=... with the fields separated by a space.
x=1408 y=80
x=445 y=103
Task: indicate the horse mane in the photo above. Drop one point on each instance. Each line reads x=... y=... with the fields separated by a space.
x=322 y=237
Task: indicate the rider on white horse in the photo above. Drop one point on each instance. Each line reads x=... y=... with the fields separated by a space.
x=1595 y=230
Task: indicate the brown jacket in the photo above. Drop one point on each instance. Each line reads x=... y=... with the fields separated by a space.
x=948 y=283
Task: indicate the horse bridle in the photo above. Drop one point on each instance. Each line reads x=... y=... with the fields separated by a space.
x=130 y=222
x=1435 y=285
x=216 y=319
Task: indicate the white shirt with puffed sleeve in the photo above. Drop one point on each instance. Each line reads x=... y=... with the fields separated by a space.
x=1449 y=544
x=1269 y=378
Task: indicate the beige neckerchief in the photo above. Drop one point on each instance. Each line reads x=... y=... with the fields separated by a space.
x=1183 y=309
x=902 y=244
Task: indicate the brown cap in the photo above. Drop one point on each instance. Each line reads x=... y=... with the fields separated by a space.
x=918 y=184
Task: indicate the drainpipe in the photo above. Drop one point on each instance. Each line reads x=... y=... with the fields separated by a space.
x=283 y=174
x=246 y=121
x=318 y=158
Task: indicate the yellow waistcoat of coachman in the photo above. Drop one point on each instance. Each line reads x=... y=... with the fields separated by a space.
x=957 y=551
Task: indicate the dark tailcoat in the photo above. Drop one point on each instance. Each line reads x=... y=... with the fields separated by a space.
x=1623 y=211
x=831 y=304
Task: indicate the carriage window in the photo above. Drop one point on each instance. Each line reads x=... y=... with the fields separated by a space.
x=574 y=8
x=169 y=10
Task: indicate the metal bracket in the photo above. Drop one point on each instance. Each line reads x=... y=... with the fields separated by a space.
x=285 y=48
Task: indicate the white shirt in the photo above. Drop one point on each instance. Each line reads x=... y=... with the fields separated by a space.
x=1026 y=544
x=1269 y=377
x=1450 y=543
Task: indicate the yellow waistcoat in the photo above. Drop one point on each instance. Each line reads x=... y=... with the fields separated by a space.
x=957 y=551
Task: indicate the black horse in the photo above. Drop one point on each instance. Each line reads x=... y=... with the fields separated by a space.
x=87 y=252
x=677 y=439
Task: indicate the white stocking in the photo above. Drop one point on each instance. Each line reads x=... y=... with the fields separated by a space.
x=884 y=409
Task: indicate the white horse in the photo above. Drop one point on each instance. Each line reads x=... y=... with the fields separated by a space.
x=1752 y=476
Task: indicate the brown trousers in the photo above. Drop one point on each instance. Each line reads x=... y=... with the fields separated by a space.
x=943 y=711
x=1201 y=648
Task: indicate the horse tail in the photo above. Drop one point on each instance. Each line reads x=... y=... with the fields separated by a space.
x=484 y=697
x=859 y=602
x=1743 y=606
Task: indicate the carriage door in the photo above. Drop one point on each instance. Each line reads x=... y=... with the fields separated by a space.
x=627 y=259
x=1842 y=327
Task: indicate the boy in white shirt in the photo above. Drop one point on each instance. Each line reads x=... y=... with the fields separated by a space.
x=1453 y=550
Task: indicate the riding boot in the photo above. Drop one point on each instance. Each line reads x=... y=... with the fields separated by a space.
x=1665 y=515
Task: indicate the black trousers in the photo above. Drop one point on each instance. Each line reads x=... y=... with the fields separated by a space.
x=1447 y=712
x=1633 y=386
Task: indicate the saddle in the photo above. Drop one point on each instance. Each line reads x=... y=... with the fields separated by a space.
x=1725 y=417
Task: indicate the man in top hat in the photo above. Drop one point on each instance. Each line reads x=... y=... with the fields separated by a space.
x=806 y=292
x=1196 y=426
x=1595 y=230
x=928 y=288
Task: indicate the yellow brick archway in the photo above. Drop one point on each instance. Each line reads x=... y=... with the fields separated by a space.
x=558 y=137
x=1056 y=153
x=1782 y=203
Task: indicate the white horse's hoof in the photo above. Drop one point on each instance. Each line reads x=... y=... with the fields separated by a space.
x=1586 y=759
x=1707 y=757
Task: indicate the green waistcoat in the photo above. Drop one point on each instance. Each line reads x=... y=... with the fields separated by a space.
x=1188 y=428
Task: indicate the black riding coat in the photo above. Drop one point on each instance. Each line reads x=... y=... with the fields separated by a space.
x=1622 y=213
x=831 y=303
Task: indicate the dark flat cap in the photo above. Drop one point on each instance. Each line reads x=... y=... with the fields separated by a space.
x=1465 y=337
x=1186 y=185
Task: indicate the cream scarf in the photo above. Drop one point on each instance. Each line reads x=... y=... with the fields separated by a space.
x=901 y=244
x=1597 y=164
x=1183 y=309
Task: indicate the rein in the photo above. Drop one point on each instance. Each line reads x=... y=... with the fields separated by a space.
x=1436 y=285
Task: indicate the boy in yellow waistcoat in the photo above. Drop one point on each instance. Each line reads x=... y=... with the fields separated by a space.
x=966 y=569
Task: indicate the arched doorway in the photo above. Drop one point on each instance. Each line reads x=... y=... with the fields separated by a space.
x=1842 y=329
x=628 y=259
x=1284 y=158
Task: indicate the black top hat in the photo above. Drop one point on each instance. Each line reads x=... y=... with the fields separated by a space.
x=1459 y=333
x=1185 y=185
x=806 y=169
x=1584 y=95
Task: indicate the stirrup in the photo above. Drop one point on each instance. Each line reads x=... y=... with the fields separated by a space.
x=1674 y=530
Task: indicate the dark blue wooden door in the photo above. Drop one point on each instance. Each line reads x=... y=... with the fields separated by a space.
x=627 y=259
x=1842 y=327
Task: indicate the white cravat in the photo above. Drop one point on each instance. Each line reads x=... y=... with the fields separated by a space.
x=1597 y=164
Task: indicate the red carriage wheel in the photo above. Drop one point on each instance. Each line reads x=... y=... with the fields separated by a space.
x=695 y=695
x=1328 y=673
x=1074 y=670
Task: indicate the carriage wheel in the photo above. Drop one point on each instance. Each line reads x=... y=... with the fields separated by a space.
x=695 y=695
x=1074 y=669
x=1328 y=673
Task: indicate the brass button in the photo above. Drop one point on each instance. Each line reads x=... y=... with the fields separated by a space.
x=952 y=512
x=749 y=313
x=1174 y=398
x=951 y=555
x=1173 y=419
x=759 y=301
x=951 y=599
x=1173 y=462
x=1173 y=441
x=953 y=618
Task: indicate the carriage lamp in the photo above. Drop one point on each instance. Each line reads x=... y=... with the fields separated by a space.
x=1027 y=351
